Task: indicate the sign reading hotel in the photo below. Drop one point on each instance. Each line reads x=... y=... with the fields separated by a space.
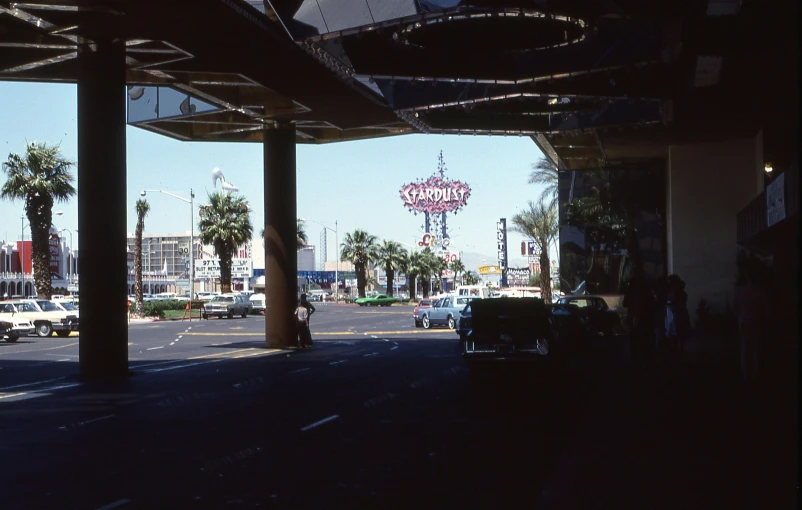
x=210 y=268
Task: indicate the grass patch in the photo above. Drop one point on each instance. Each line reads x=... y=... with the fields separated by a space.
x=177 y=314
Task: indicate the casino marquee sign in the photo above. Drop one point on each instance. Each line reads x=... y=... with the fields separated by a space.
x=435 y=195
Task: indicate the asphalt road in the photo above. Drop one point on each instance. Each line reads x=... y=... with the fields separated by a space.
x=378 y=414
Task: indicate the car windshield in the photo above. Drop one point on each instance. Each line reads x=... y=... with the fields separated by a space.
x=7 y=308
x=68 y=306
x=222 y=299
x=47 y=306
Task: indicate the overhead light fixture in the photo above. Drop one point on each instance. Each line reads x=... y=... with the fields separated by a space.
x=768 y=168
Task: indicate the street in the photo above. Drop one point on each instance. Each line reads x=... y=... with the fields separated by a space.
x=379 y=413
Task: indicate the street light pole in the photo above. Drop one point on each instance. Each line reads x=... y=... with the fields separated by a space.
x=22 y=251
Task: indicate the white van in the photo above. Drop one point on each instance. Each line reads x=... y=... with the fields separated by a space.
x=478 y=291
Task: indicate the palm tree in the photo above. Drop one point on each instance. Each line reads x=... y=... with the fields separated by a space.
x=142 y=208
x=458 y=267
x=360 y=248
x=41 y=177
x=225 y=224
x=540 y=223
x=300 y=234
x=390 y=255
x=470 y=278
x=430 y=265
x=414 y=269
x=544 y=172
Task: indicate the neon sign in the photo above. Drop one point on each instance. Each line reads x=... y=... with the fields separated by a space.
x=435 y=195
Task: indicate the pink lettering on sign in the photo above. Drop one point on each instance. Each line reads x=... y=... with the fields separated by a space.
x=435 y=195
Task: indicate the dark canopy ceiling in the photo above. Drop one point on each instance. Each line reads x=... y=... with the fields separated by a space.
x=550 y=69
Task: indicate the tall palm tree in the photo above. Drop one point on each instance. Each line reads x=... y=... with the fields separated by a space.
x=360 y=248
x=41 y=177
x=142 y=209
x=544 y=172
x=540 y=223
x=300 y=234
x=225 y=224
x=458 y=267
x=390 y=255
x=414 y=270
x=430 y=265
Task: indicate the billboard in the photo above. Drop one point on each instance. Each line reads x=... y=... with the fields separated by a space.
x=210 y=268
x=55 y=253
x=483 y=270
x=435 y=195
x=518 y=276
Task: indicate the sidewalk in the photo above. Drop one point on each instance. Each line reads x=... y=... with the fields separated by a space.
x=681 y=434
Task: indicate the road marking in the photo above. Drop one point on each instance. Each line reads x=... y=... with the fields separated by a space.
x=321 y=422
x=33 y=384
x=39 y=350
x=393 y=348
x=299 y=370
x=117 y=503
x=180 y=337
x=383 y=313
x=334 y=333
x=154 y=348
x=337 y=362
x=12 y=395
x=243 y=355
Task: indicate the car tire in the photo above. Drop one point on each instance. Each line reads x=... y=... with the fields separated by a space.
x=452 y=324
x=12 y=339
x=63 y=333
x=426 y=323
x=368 y=304
x=245 y=314
x=417 y=323
x=230 y=315
x=44 y=329
x=204 y=316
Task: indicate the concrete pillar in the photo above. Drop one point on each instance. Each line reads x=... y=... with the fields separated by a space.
x=708 y=184
x=280 y=236
x=103 y=347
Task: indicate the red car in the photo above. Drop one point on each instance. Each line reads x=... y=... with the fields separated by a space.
x=425 y=303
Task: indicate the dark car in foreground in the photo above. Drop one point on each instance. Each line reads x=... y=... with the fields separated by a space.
x=595 y=316
x=505 y=331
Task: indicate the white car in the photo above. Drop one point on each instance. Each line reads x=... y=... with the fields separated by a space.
x=19 y=326
x=45 y=316
x=258 y=302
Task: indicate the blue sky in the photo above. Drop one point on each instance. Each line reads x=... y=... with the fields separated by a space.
x=356 y=183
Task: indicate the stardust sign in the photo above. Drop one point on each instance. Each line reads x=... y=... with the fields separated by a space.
x=435 y=195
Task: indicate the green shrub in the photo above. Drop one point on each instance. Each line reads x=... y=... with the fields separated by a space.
x=157 y=308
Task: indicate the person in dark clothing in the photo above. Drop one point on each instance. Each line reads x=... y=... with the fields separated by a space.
x=640 y=305
x=303 y=312
x=661 y=295
x=678 y=321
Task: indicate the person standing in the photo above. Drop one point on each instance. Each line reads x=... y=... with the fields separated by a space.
x=640 y=305
x=303 y=312
x=751 y=309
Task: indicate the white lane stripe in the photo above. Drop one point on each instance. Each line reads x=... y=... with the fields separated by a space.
x=321 y=422
x=393 y=348
x=12 y=395
x=299 y=370
x=154 y=348
x=98 y=419
x=117 y=503
x=32 y=384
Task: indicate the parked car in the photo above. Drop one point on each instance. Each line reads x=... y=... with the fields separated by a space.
x=258 y=303
x=378 y=300
x=45 y=316
x=206 y=296
x=424 y=303
x=445 y=312
x=594 y=314
x=225 y=305
x=16 y=326
x=7 y=332
x=508 y=331
x=464 y=322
